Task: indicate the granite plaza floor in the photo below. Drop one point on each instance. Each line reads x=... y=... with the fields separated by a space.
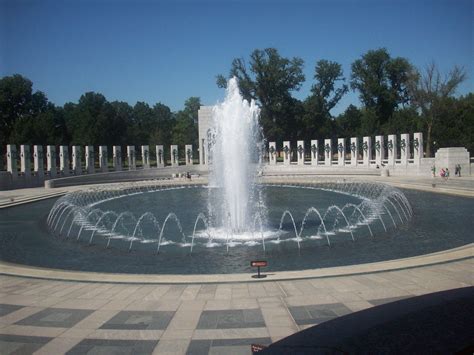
x=53 y=317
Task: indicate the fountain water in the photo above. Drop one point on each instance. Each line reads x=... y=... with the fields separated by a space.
x=238 y=144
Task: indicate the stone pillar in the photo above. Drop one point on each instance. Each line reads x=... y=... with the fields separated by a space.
x=38 y=161
x=76 y=160
x=25 y=161
x=341 y=151
x=132 y=164
x=328 y=152
x=11 y=161
x=392 y=149
x=300 y=152
x=286 y=152
x=367 y=150
x=314 y=152
x=117 y=157
x=354 y=150
x=174 y=155
x=90 y=167
x=64 y=160
x=146 y=157
x=103 y=159
x=417 y=148
x=379 y=150
x=404 y=148
x=160 y=158
x=189 y=154
x=272 y=153
x=51 y=160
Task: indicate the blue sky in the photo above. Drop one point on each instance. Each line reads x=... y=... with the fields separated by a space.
x=167 y=51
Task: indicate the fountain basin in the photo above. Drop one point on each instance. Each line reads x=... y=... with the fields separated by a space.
x=439 y=222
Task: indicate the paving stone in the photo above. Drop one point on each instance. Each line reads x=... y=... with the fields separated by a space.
x=158 y=320
x=105 y=347
x=8 y=308
x=17 y=344
x=55 y=317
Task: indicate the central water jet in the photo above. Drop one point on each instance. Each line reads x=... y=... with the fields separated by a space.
x=236 y=145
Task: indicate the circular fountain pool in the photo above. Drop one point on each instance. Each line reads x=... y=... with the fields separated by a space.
x=168 y=230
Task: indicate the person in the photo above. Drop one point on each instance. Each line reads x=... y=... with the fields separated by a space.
x=459 y=170
x=433 y=170
x=446 y=174
x=442 y=173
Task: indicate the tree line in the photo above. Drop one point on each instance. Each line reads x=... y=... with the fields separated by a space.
x=395 y=97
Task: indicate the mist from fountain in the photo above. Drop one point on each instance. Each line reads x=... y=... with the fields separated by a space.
x=235 y=150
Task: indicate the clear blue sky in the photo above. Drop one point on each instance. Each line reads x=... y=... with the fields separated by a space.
x=167 y=51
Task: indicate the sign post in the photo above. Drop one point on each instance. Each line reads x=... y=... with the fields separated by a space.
x=258 y=264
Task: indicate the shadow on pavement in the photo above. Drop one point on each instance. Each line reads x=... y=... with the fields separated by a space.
x=440 y=322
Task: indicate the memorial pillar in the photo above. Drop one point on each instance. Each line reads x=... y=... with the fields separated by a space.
x=51 y=160
x=103 y=159
x=379 y=150
x=392 y=149
x=286 y=152
x=300 y=152
x=354 y=150
x=341 y=151
x=90 y=167
x=174 y=155
x=404 y=148
x=64 y=160
x=367 y=151
x=160 y=162
x=76 y=160
x=38 y=161
x=117 y=157
x=328 y=152
x=417 y=148
x=272 y=153
x=189 y=154
x=132 y=165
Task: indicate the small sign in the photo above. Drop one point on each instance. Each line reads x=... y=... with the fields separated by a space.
x=258 y=264
x=255 y=348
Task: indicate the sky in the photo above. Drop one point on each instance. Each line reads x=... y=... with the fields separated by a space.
x=168 y=51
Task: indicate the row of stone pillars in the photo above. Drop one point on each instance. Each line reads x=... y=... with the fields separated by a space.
x=385 y=154
x=76 y=158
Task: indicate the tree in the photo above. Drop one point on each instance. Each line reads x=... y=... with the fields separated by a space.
x=382 y=82
x=270 y=80
x=185 y=129
x=348 y=123
x=324 y=97
x=19 y=103
x=430 y=91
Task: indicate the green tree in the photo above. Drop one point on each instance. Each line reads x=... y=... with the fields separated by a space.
x=185 y=128
x=348 y=123
x=325 y=95
x=270 y=80
x=382 y=82
x=429 y=91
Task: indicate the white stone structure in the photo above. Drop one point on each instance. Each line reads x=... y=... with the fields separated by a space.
x=25 y=161
x=205 y=134
x=314 y=152
x=132 y=164
x=328 y=152
x=160 y=161
x=404 y=149
x=117 y=158
x=367 y=151
x=354 y=151
x=450 y=157
x=189 y=154
x=90 y=167
x=286 y=152
x=64 y=160
x=272 y=153
x=51 y=160
x=417 y=148
x=76 y=160
x=146 y=156
x=379 y=150
x=300 y=152
x=392 y=149
x=103 y=159
x=174 y=155
x=11 y=161
x=38 y=164
x=341 y=151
